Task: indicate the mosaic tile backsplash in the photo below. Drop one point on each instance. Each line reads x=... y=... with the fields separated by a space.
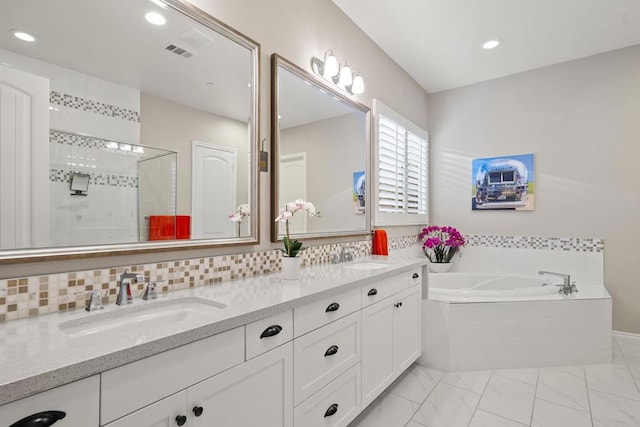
x=31 y=296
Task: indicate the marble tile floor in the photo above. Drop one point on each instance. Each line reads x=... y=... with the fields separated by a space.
x=606 y=395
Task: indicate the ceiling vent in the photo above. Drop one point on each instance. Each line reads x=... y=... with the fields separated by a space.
x=180 y=51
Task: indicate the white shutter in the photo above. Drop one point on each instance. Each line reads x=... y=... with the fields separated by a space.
x=401 y=157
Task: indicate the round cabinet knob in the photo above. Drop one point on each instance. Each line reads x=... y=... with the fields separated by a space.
x=181 y=420
x=198 y=410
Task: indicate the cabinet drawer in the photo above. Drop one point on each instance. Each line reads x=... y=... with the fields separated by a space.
x=315 y=314
x=266 y=334
x=322 y=355
x=79 y=401
x=335 y=405
x=134 y=385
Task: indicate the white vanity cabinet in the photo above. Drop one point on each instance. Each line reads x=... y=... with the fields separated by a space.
x=78 y=401
x=242 y=377
x=255 y=393
x=390 y=334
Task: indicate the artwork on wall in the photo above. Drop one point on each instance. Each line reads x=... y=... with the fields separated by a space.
x=358 y=192
x=504 y=182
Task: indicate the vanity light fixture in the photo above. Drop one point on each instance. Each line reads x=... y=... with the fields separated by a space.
x=155 y=18
x=339 y=74
x=491 y=44
x=24 y=36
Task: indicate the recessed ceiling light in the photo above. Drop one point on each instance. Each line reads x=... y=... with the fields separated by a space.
x=24 y=36
x=155 y=18
x=491 y=44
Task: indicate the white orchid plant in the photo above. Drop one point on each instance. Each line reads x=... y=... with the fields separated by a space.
x=292 y=247
x=242 y=211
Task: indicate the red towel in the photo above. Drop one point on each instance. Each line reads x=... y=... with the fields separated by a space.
x=183 y=227
x=380 y=244
x=169 y=227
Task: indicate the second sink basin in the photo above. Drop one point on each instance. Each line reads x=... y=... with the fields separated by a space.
x=367 y=265
x=155 y=314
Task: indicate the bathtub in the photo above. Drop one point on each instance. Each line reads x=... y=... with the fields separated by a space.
x=465 y=287
x=477 y=321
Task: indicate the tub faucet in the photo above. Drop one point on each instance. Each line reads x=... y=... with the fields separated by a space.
x=124 y=294
x=567 y=286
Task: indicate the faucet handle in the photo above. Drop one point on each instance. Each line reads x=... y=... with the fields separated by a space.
x=150 y=291
x=95 y=301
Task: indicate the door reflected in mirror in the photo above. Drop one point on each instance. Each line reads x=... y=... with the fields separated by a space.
x=321 y=140
x=157 y=121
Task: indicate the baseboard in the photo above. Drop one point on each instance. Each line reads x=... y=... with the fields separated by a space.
x=626 y=335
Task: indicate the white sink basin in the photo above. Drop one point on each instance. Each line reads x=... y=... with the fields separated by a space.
x=367 y=265
x=141 y=317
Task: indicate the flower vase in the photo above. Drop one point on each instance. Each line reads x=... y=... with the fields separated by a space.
x=291 y=267
x=440 y=267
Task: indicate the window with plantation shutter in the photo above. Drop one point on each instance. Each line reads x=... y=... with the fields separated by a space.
x=401 y=157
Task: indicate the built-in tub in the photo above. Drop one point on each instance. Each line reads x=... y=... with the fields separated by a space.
x=474 y=321
x=489 y=287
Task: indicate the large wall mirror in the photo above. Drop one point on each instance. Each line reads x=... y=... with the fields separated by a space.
x=125 y=126
x=320 y=149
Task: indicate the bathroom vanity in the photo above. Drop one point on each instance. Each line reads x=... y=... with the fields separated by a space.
x=275 y=353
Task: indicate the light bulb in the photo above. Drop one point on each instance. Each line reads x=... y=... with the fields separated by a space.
x=358 y=85
x=330 y=65
x=346 y=78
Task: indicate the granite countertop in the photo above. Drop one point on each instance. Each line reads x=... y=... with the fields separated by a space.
x=37 y=355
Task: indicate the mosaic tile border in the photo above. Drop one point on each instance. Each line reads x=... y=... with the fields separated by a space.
x=575 y=244
x=31 y=296
x=83 y=104
x=62 y=175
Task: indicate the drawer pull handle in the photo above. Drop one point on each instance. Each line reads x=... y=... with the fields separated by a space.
x=331 y=351
x=181 y=420
x=271 y=331
x=415 y=275
x=373 y=292
x=397 y=305
x=41 y=419
x=198 y=410
x=334 y=306
x=331 y=411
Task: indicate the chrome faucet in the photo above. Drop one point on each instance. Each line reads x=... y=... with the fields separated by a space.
x=124 y=294
x=344 y=255
x=567 y=286
x=150 y=291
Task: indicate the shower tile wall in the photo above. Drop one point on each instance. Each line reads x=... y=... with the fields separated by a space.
x=85 y=105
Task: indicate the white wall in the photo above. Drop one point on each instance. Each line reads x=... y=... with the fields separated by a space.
x=581 y=119
x=332 y=158
x=189 y=124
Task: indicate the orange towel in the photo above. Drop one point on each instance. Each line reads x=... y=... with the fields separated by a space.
x=380 y=243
